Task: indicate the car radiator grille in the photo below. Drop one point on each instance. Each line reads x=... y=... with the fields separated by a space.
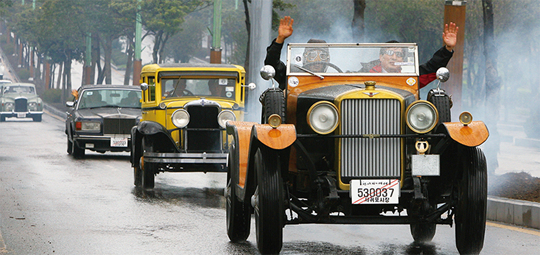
x=199 y=138
x=21 y=105
x=364 y=157
x=118 y=125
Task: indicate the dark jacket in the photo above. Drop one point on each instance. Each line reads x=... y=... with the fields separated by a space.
x=273 y=55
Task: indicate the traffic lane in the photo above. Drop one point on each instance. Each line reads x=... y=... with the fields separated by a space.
x=52 y=203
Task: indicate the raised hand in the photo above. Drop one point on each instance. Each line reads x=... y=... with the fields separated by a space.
x=450 y=35
x=285 y=29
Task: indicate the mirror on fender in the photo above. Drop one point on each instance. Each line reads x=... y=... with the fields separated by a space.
x=70 y=104
x=443 y=74
x=268 y=72
x=250 y=86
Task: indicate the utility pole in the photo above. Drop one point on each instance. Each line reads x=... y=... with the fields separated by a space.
x=215 y=52
x=454 y=11
x=137 y=61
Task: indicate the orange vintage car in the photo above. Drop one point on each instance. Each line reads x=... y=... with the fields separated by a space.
x=346 y=145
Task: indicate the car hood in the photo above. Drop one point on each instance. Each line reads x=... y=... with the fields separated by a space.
x=14 y=96
x=109 y=112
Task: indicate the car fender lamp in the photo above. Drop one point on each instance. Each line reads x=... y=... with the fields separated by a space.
x=465 y=118
x=274 y=120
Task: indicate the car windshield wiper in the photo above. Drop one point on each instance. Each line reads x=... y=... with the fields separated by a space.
x=309 y=71
x=102 y=106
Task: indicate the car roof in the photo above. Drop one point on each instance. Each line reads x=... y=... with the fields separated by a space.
x=109 y=86
x=18 y=84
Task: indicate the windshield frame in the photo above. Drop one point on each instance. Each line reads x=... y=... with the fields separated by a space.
x=413 y=49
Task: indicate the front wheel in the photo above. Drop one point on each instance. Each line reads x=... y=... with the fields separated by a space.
x=238 y=213
x=147 y=169
x=77 y=151
x=268 y=202
x=423 y=232
x=273 y=102
x=471 y=205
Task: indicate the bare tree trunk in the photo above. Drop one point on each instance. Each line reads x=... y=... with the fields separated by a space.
x=162 y=48
x=129 y=64
x=493 y=84
x=357 y=25
x=157 y=45
x=60 y=71
x=96 y=58
x=107 y=47
x=248 y=28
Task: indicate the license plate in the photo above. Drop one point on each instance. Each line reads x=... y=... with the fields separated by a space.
x=385 y=191
x=21 y=115
x=119 y=141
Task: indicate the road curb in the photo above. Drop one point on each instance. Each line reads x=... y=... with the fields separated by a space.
x=517 y=212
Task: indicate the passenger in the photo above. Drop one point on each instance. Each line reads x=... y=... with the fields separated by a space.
x=132 y=100
x=317 y=56
x=180 y=89
x=215 y=88
x=388 y=57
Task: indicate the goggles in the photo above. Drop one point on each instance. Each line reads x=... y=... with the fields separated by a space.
x=398 y=54
x=313 y=54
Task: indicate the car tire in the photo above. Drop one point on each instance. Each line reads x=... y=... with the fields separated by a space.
x=238 y=213
x=69 y=146
x=36 y=118
x=2 y=118
x=137 y=174
x=268 y=202
x=77 y=151
x=443 y=103
x=423 y=232
x=273 y=103
x=470 y=216
x=148 y=174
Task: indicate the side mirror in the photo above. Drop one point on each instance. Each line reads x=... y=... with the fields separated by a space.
x=70 y=104
x=268 y=72
x=250 y=86
x=443 y=74
x=144 y=86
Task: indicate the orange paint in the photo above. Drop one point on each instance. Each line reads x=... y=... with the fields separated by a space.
x=471 y=135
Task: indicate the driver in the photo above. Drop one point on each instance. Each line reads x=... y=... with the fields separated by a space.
x=317 y=56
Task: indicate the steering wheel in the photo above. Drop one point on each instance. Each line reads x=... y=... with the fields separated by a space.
x=307 y=65
x=187 y=93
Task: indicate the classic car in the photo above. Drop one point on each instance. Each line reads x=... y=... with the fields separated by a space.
x=356 y=147
x=101 y=117
x=185 y=107
x=20 y=100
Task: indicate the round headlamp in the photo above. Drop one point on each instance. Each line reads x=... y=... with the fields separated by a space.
x=323 y=117
x=225 y=116
x=422 y=116
x=180 y=118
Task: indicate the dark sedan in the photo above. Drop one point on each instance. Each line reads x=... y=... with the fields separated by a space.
x=101 y=117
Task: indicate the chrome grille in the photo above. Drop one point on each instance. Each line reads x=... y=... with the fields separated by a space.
x=21 y=105
x=118 y=126
x=364 y=157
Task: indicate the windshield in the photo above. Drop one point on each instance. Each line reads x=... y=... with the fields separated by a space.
x=18 y=89
x=110 y=98
x=352 y=59
x=200 y=87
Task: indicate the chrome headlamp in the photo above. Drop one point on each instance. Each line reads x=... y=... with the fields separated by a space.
x=323 y=117
x=422 y=116
x=180 y=118
x=225 y=116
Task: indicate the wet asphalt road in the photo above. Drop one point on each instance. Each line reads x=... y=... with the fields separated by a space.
x=51 y=203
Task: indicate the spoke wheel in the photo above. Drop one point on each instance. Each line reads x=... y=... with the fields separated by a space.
x=268 y=202
x=470 y=216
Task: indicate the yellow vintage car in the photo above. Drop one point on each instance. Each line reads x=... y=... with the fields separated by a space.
x=184 y=110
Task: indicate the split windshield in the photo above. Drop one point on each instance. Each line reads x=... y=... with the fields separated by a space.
x=353 y=59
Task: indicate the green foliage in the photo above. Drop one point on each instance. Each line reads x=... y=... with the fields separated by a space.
x=23 y=74
x=52 y=96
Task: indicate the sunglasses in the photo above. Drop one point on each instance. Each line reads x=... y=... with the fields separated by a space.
x=398 y=54
x=312 y=55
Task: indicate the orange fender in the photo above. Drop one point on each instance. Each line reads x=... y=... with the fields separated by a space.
x=241 y=130
x=276 y=138
x=471 y=135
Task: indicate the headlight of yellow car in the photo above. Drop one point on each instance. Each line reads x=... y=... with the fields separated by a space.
x=180 y=118
x=225 y=116
x=323 y=117
x=422 y=116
